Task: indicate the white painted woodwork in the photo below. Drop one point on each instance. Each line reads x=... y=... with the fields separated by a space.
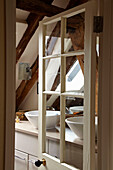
x=69 y=94
x=72 y=94
x=25 y=133
x=26 y=128
x=26 y=143
x=89 y=96
x=21 y=160
x=52 y=92
x=29 y=135
x=65 y=54
x=63 y=88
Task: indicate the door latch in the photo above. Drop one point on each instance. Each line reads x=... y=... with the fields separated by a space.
x=38 y=163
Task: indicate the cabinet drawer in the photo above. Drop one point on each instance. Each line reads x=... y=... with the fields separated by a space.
x=26 y=143
x=21 y=160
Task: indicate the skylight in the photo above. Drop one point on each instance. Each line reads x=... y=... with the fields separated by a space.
x=74 y=79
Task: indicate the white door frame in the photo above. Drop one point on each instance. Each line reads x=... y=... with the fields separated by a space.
x=7 y=82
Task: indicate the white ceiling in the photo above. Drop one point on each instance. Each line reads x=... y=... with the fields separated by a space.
x=21 y=15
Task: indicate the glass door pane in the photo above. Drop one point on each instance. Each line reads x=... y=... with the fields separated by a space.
x=53 y=39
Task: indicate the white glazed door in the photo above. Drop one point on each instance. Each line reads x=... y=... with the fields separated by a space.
x=59 y=58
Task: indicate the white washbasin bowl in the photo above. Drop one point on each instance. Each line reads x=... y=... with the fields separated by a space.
x=76 y=125
x=52 y=118
x=77 y=109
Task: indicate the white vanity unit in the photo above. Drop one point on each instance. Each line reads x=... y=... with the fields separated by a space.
x=26 y=146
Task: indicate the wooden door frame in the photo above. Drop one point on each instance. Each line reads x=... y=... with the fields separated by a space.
x=105 y=142
x=7 y=87
x=7 y=82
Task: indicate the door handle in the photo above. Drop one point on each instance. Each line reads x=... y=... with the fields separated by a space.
x=38 y=163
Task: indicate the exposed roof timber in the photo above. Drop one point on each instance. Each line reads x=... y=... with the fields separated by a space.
x=73 y=3
x=21 y=21
x=77 y=39
x=33 y=22
x=38 y=7
x=25 y=86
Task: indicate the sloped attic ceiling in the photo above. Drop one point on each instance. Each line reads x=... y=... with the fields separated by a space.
x=27 y=42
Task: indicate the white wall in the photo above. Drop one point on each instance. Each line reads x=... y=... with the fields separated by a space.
x=31 y=100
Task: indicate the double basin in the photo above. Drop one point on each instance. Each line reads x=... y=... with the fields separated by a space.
x=53 y=118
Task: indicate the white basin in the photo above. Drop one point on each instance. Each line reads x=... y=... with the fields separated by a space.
x=52 y=118
x=76 y=125
x=77 y=109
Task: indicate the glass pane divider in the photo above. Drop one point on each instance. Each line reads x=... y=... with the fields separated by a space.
x=62 y=98
x=69 y=54
x=52 y=92
x=62 y=129
x=52 y=56
x=73 y=53
x=71 y=94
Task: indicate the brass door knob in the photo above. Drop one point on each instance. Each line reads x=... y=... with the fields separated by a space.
x=38 y=163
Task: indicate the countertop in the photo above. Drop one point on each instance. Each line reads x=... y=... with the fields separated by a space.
x=52 y=134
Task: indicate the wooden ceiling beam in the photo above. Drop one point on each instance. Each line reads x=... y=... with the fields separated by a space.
x=27 y=88
x=33 y=22
x=38 y=7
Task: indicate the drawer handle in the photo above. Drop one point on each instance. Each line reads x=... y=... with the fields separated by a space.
x=18 y=157
x=38 y=163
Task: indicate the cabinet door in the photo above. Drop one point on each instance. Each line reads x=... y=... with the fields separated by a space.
x=21 y=160
x=32 y=160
